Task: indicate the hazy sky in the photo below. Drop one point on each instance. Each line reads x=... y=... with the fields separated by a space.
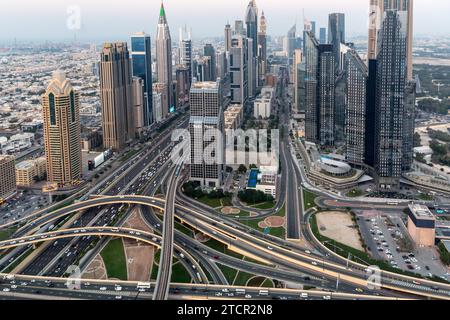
x=109 y=20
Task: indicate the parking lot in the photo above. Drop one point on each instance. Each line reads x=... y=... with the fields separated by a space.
x=21 y=205
x=386 y=237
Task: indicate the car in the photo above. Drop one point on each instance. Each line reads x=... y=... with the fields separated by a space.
x=314 y=263
x=102 y=288
x=359 y=290
x=119 y=297
x=6 y=289
x=326 y=297
x=247 y=296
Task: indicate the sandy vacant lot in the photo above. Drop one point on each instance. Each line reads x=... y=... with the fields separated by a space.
x=139 y=255
x=96 y=270
x=339 y=226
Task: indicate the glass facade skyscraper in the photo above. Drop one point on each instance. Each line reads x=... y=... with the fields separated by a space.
x=141 y=56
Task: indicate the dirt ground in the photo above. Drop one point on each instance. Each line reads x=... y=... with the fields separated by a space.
x=139 y=256
x=272 y=222
x=96 y=270
x=339 y=226
x=230 y=210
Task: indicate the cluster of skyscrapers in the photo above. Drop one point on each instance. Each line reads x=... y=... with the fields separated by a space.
x=372 y=100
x=237 y=75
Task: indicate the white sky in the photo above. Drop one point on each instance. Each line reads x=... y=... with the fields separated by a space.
x=109 y=20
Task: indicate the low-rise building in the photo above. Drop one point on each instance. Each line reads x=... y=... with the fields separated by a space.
x=233 y=117
x=28 y=171
x=421 y=225
x=264 y=103
x=264 y=179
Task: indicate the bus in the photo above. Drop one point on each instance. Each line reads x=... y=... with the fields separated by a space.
x=143 y=285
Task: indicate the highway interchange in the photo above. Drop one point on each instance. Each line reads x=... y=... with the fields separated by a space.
x=69 y=231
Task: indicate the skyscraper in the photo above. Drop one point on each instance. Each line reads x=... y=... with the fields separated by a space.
x=323 y=35
x=239 y=28
x=409 y=126
x=262 y=50
x=251 y=68
x=186 y=52
x=7 y=176
x=239 y=70
x=320 y=91
x=390 y=103
x=164 y=57
x=209 y=51
x=62 y=131
x=377 y=9
x=203 y=68
x=228 y=36
x=116 y=95
x=290 y=43
x=206 y=127
x=356 y=75
x=298 y=78
x=141 y=55
x=139 y=102
x=336 y=34
x=251 y=20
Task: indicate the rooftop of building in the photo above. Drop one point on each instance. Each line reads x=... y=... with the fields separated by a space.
x=421 y=211
x=200 y=85
x=6 y=158
x=25 y=165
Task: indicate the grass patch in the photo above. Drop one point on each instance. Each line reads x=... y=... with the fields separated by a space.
x=5 y=234
x=19 y=260
x=180 y=274
x=256 y=282
x=242 y=278
x=220 y=247
x=277 y=232
x=355 y=193
x=114 y=258
x=184 y=229
x=308 y=199
x=228 y=272
x=265 y=205
x=267 y=283
x=426 y=197
x=213 y=203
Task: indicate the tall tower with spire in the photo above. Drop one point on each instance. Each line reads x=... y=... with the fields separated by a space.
x=262 y=50
x=164 y=57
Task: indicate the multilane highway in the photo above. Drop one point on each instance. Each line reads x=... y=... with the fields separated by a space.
x=268 y=252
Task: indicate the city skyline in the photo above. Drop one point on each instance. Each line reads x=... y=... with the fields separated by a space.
x=99 y=22
x=245 y=166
